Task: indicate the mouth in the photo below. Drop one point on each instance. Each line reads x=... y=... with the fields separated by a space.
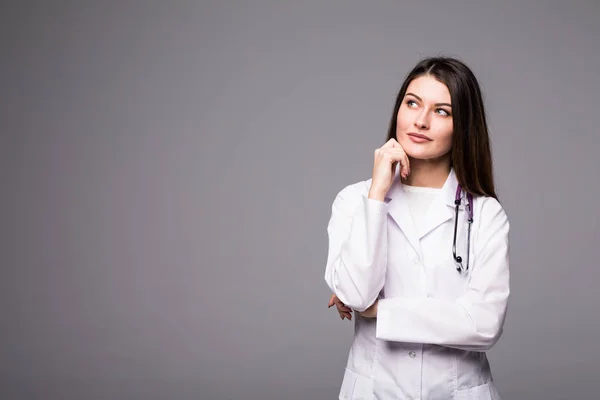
x=419 y=136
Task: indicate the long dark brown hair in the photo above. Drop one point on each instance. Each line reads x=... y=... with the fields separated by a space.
x=471 y=156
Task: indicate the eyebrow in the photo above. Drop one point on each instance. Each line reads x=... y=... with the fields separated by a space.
x=437 y=104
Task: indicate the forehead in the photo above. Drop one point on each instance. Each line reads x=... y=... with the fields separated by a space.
x=429 y=89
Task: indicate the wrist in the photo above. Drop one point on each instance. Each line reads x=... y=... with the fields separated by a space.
x=377 y=194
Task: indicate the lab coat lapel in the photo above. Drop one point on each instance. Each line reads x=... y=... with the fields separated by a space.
x=399 y=211
x=442 y=208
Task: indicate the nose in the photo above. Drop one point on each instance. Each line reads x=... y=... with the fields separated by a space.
x=421 y=122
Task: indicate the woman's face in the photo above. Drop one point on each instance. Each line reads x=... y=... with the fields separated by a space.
x=424 y=127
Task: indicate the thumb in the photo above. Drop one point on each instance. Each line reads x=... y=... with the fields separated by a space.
x=331 y=301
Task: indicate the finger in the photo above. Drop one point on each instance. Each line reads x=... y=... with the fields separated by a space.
x=395 y=150
x=406 y=165
x=390 y=144
x=332 y=300
x=338 y=303
x=345 y=315
x=395 y=155
x=344 y=308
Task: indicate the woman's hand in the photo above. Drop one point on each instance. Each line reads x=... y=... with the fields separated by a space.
x=345 y=312
x=370 y=312
x=384 y=166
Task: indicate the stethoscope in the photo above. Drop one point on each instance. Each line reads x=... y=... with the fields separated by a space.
x=469 y=206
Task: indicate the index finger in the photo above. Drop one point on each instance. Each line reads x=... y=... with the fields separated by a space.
x=390 y=144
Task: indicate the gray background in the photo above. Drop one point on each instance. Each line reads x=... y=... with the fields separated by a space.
x=167 y=173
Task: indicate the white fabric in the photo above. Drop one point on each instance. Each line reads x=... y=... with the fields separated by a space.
x=419 y=200
x=433 y=324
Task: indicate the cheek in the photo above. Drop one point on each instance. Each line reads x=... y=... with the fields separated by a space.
x=400 y=119
x=403 y=120
x=445 y=140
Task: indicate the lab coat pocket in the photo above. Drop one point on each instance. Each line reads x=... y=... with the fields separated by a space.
x=356 y=387
x=487 y=391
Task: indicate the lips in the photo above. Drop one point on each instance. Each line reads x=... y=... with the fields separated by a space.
x=420 y=136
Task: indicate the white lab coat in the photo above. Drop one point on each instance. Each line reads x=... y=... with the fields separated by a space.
x=433 y=324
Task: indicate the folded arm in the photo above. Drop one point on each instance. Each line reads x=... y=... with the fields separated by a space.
x=357 y=255
x=475 y=320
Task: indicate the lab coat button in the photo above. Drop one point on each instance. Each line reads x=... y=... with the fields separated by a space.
x=412 y=354
x=416 y=260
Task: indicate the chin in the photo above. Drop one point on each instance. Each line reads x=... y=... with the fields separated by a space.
x=418 y=152
x=424 y=154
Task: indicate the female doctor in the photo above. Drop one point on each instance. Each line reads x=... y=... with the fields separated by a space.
x=420 y=250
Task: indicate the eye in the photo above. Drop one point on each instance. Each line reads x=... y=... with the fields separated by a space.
x=411 y=102
x=443 y=112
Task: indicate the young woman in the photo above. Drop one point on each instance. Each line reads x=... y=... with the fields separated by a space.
x=420 y=250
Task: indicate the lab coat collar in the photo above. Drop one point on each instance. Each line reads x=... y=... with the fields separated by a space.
x=449 y=190
x=441 y=210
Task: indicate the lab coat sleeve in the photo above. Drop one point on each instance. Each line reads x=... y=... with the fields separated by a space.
x=475 y=320
x=357 y=254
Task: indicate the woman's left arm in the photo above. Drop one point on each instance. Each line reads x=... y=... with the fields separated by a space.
x=475 y=320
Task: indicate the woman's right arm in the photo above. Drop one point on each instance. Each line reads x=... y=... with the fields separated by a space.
x=357 y=254
x=357 y=229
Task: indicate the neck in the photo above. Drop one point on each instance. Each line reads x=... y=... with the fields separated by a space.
x=428 y=173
